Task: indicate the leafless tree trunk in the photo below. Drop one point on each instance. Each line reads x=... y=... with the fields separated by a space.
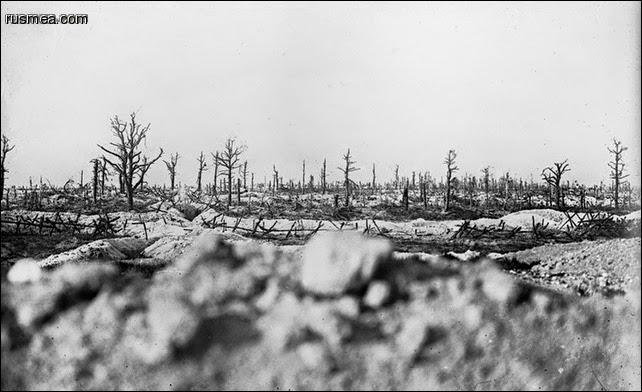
x=202 y=166
x=95 y=179
x=553 y=176
x=129 y=161
x=171 y=168
x=4 y=150
x=276 y=179
x=323 y=177
x=396 y=176
x=215 y=157
x=374 y=177
x=486 y=172
x=451 y=168
x=229 y=160
x=245 y=175
x=405 y=196
x=507 y=181
x=349 y=168
x=238 y=191
x=103 y=176
x=617 y=169
x=303 y=177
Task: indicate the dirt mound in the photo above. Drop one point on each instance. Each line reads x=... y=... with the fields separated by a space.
x=236 y=316
x=634 y=216
x=525 y=218
x=588 y=267
x=97 y=250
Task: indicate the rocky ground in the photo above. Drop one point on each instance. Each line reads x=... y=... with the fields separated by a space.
x=605 y=267
x=343 y=312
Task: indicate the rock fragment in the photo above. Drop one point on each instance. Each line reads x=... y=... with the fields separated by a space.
x=337 y=262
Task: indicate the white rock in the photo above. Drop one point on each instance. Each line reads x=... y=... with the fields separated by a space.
x=348 y=307
x=377 y=295
x=316 y=356
x=335 y=262
x=498 y=285
x=412 y=337
x=24 y=271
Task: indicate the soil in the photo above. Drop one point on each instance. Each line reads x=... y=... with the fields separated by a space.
x=606 y=267
x=235 y=314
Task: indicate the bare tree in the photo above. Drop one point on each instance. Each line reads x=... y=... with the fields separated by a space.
x=451 y=168
x=323 y=177
x=374 y=177
x=276 y=179
x=396 y=176
x=303 y=177
x=553 y=176
x=202 y=166
x=215 y=157
x=508 y=181
x=486 y=180
x=349 y=168
x=129 y=162
x=4 y=150
x=229 y=159
x=104 y=172
x=96 y=162
x=171 y=168
x=617 y=168
x=404 y=196
x=244 y=172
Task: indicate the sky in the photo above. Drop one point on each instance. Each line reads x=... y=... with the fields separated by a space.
x=513 y=86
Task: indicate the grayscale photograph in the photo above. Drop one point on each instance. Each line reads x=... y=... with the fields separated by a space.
x=320 y=195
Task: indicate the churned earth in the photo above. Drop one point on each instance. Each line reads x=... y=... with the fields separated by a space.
x=343 y=312
x=605 y=267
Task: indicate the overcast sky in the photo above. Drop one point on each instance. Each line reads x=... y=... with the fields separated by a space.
x=514 y=86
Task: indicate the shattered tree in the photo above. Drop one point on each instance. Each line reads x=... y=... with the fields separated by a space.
x=171 y=168
x=229 y=159
x=202 y=166
x=4 y=150
x=127 y=158
x=349 y=168
x=553 y=177
x=617 y=169
x=451 y=168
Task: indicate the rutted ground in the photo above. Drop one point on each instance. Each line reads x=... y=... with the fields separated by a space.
x=345 y=312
